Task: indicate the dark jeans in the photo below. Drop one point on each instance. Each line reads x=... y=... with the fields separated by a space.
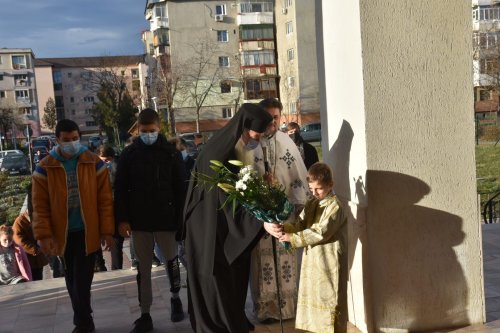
x=56 y=266
x=117 y=253
x=79 y=272
x=37 y=274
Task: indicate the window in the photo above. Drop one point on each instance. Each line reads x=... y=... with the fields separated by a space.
x=222 y=36
x=72 y=100
x=90 y=123
x=288 y=3
x=135 y=73
x=227 y=113
x=293 y=107
x=59 y=101
x=220 y=9
x=0 y=59
x=21 y=79
x=223 y=61
x=260 y=89
x=2 y=94
x=289 y=27
x=1 y=77
x=225 y=87
x=19 y=62
x=86 y=75
x=256 y=7
x=57 y=77
x=484 y=95
x=70 y=74
x=88 y=111
x=290 y=54
x=161 y=10
x=73 y=112
x=256 y=32
x=136 y=85
x=291 y=82
x=123 y=73
x=88 y=99
x=26 y=111
x=22 y=94
x=257 y=58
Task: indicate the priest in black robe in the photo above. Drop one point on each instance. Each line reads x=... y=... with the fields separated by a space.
x=218 y=242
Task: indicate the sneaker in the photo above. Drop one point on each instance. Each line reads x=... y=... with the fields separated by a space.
x=176 y=308
x=143 y=324
x=134 y=265
x=84 y=328
x=156 y=262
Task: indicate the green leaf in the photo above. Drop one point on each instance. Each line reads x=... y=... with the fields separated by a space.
x=236 y=162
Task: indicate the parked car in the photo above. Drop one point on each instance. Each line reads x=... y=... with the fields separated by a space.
x=42 y=142
x=8 y=152
x=311 y=132
x=15 y=164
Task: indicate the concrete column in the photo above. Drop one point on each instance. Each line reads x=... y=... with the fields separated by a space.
x=398 y=129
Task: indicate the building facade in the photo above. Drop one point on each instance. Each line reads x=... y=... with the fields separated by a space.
x=18 y=92
x=486 y=61
x=74 y=82
x=297 y=63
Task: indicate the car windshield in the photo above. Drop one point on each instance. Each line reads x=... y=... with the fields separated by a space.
x=13 y=161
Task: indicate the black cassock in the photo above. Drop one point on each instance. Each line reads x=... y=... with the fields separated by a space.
x=218 y=243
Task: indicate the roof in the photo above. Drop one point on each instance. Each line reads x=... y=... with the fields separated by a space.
x=91 y=61
x=16 y=50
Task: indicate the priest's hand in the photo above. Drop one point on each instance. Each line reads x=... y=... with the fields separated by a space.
x=124 y=229
x=274 y=229
x=285 y=237
x=108 y=242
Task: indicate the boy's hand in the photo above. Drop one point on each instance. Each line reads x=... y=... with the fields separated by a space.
x=108 y=242
x=285 y=238
x=124 y=229
x=274 y=229
x=46 y=245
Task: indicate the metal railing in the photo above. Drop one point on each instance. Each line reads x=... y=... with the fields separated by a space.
x=484 y=14
x=491 y=210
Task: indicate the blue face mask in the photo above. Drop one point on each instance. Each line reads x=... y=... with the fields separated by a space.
x=184 y=154
x=252 y=144
x=71 y=148
x=149 y=138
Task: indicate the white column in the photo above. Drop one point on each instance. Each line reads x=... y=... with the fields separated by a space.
x=397 y=110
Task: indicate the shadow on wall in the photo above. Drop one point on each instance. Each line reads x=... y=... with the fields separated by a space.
x=418 y=283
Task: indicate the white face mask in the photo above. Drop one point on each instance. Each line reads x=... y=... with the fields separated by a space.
x=184 y=154
x=252 y=144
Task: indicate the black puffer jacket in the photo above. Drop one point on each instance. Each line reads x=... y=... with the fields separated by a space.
x=150 y=186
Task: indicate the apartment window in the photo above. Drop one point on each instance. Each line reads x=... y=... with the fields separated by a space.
x=57 y=77
x=257 y=58
x=225 y=87
x=160 y=10
x=288 y=3
x=485 y=95
x=223 y=61
x=227 y=113
x=21 y=79
x=70 y=74
x=293 y=107
x=88 y=111
x=26 y=111
x=222 y=36
x=256 y=7
x=0 y=59
x=73 y=112
x=135 y=73
x=289 y=27
x=256 y=32
x=290 y=54
x=123 y=73
x=86 y=75
x=220 y=9
x=88 y=99
x=72 y=100
x=2 y=94
x=291 y=81
x=59 y=101
x=90 y=123
x=1 y=77
x=19 y=62
x=22 y=94
x=260 y=89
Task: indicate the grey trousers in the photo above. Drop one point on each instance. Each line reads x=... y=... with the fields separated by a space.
x=143 y=245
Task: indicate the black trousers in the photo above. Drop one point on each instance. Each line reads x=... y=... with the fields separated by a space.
x=117 y=253
x=37 y=273
x=79 y=273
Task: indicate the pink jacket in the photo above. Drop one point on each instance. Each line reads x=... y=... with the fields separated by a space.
x=22 y=262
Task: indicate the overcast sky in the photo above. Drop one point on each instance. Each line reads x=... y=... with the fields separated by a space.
x=72 y=28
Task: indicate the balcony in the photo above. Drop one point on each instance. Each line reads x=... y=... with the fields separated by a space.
x=256 y=45
x=159 y=22
x=255 y=18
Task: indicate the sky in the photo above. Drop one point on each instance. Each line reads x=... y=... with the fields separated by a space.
x=73 y=28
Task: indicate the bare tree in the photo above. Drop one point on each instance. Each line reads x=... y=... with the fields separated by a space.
x=10 y=118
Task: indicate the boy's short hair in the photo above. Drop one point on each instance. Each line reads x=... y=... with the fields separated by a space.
x=321 y=173
x=148 y=116
x=66 y=125
x=293 y=126
x=6 y=230
x=271 y=103
x=106 y=151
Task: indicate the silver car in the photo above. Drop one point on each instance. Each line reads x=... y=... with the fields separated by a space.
x=311 y=132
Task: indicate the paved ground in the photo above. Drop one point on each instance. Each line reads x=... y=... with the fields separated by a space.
x=44 y=306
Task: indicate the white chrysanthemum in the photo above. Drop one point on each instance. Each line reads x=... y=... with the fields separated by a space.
x=246 y=177
x=240 y=185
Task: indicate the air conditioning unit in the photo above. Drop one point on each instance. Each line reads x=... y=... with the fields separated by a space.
x=219 y=18
x=284 y=11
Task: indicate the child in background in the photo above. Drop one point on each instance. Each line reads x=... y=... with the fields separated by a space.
x=322 y=230
x=14 y=265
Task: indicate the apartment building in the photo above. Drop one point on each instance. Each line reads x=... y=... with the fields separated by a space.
x=486 y=60
x=71 y=82
x=18 y=91
x=298 y=68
